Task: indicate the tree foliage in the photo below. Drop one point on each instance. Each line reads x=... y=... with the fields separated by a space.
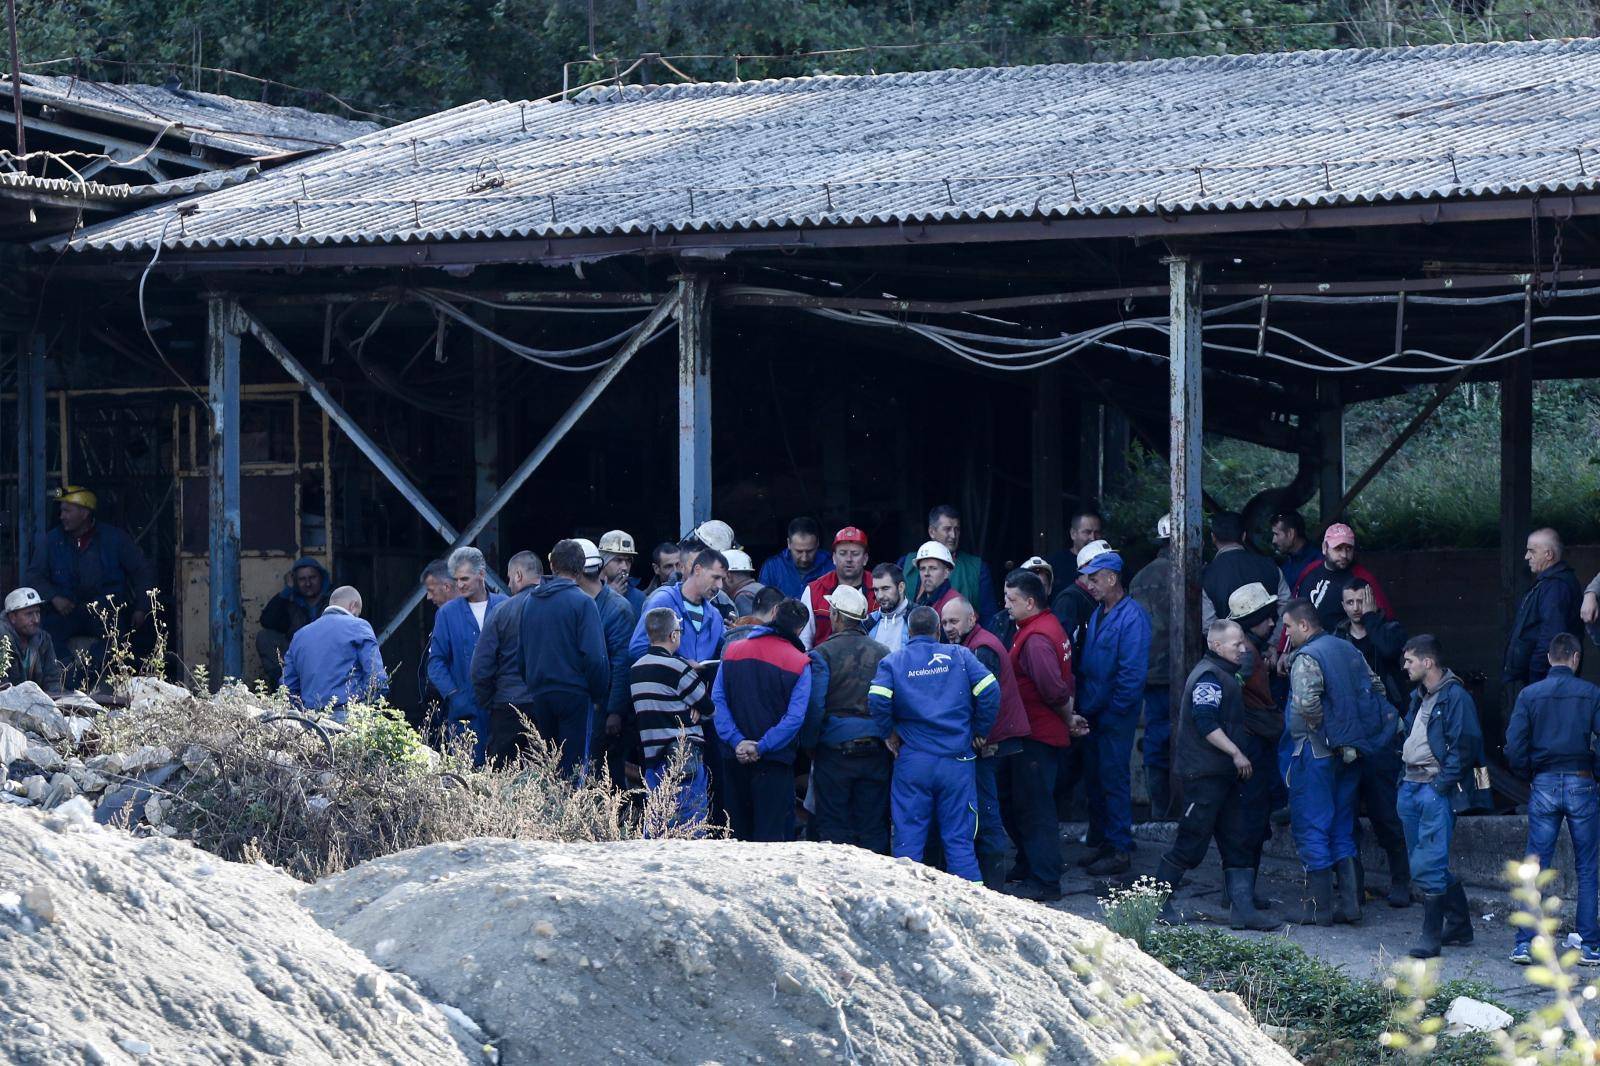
x=403 y=58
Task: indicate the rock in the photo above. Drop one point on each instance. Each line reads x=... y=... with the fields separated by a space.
x=62 y=788
x=13 y=744
x=87 y=779
x=78 y=703
x=28 y=708
x=175 y=989
x=698 y=951
x=1468 y=1015
x=44 y=757
x=148 y=693
x=146 y=758
x=79 y=728
x=127 y=801
x=34 y=787
x=1230 y=1002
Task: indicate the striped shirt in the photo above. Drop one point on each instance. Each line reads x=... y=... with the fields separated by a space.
x=665 y=688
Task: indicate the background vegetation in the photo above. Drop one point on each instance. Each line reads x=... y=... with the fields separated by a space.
x=402 y=58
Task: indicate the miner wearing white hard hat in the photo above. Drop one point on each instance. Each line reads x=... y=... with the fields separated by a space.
x=742 y=584
x=969 y=575
x=84 y=561
x=26 y=649
x=935 y=565
x=1150 y=589
x=617 y=552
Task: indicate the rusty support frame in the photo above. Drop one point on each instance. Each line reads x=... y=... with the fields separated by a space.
x=1186 y=421
x=1442 y=393
x=222 y=403
x=694 y=399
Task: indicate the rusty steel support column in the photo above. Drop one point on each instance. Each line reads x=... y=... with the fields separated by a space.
x=485 y=435
x=694 y=400
x=1185 y=458
x=1047 y=511
x=227 y=615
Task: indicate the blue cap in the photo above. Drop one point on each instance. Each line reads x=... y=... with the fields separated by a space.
x=1104 y=561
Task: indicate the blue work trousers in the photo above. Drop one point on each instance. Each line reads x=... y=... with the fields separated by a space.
x=1157 y=730
x=1322 y=808
x=1029 y=788
x=694 y=790
x=1110 y=786
x=945 y=786
x=852 y=793
x=1429 y=823
x=1558 y=796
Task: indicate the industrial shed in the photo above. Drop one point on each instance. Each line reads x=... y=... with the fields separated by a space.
x=887 y=291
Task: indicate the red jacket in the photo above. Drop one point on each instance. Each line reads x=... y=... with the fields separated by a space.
x=1013 y=718
x=1038 y=651
x=816 y=593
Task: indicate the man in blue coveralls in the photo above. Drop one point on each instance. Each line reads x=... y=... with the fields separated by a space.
x=937 y=699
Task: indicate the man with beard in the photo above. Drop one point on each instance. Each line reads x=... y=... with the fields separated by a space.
x=887 y=625
x=849 y=568
x=969 y=574
x=1324 y=582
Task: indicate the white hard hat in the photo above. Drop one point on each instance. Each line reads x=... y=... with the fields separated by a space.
x=22 y=598
x=932 y=549
x=1164 y=527
x=739 y=562
x=617 y=542
x=1248 y=599
x=714 y=534
x=1092 y=549
x=848 y=600
x=591 y=554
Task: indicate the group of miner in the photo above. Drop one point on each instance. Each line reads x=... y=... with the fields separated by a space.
x=916 y=708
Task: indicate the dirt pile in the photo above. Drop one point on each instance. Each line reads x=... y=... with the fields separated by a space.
x=713 y=951
x=115 y=949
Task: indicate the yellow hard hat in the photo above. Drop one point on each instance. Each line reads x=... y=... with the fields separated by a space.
x=76 y=494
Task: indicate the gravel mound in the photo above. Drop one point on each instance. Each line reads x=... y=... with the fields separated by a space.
x=115 y=949
x=714 y=951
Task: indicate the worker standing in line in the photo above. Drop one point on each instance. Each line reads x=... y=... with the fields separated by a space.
x=850 y=569
x=30 y=654
x=850 y=763
x=937 y=703
x=564 y=660
x=616 y=548
x=335 y=659
x=497 y=662
x=455 y=638
x=1112 y=673
x=612 y=730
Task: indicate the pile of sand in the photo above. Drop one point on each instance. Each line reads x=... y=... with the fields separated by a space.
x=115 y=949
x=723 y=952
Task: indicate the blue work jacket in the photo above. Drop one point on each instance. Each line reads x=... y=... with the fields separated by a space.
x=937 y=697
x=334 y=660
x=1116 y=659
x=455 y=638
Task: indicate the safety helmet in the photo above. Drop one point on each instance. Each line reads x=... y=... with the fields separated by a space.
x=75 y=494
x=714 y=534
x=739 y=562
x=21 y=599
x=617 y=542
x=1164 y=527
x=934 y=550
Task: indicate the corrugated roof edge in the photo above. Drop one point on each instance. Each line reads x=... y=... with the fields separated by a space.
x=825 y=221
x=1323 y=56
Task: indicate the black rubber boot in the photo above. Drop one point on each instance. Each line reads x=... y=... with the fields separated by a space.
x=1261 y=902
x=1433 y=908
x=1243 y=913
x=1348 y=907
x=1457 y=931
x=1399 y=878
x=993 y=869
x=1170 y=873
x=1319 y=908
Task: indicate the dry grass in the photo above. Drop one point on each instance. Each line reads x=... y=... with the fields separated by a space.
x=263 y=783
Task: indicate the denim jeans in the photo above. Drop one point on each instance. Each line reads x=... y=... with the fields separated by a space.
x=1110 y=786
x=1322 y=807
x=694 y=791
x=1555 y=796
x=1030 y=784
x=1429 y=823
x=991 y=841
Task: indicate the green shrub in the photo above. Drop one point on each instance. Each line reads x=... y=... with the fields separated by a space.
x=1132 y=911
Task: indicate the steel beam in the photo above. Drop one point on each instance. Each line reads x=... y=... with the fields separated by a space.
x=342 y=419
x=1048 y=526
x=1091 y=416
x=1516 y=478
x=694 y=400
x=646 y=330
x=227 y=614
x=1440 y=395
x=485 y=432
x=31 y=490
x=1185 y=457
x=1330 y=437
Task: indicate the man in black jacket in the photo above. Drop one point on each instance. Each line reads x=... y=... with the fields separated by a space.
x=1234 y=567
x=1380 y=642
x=1550 y=607
x=1550 y=743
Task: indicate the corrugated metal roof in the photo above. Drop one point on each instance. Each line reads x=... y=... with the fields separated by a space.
x=207 y=181
x=1179 y=135
x=242 y=127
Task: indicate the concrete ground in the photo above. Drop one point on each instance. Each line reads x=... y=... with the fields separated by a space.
x=1369 y=949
